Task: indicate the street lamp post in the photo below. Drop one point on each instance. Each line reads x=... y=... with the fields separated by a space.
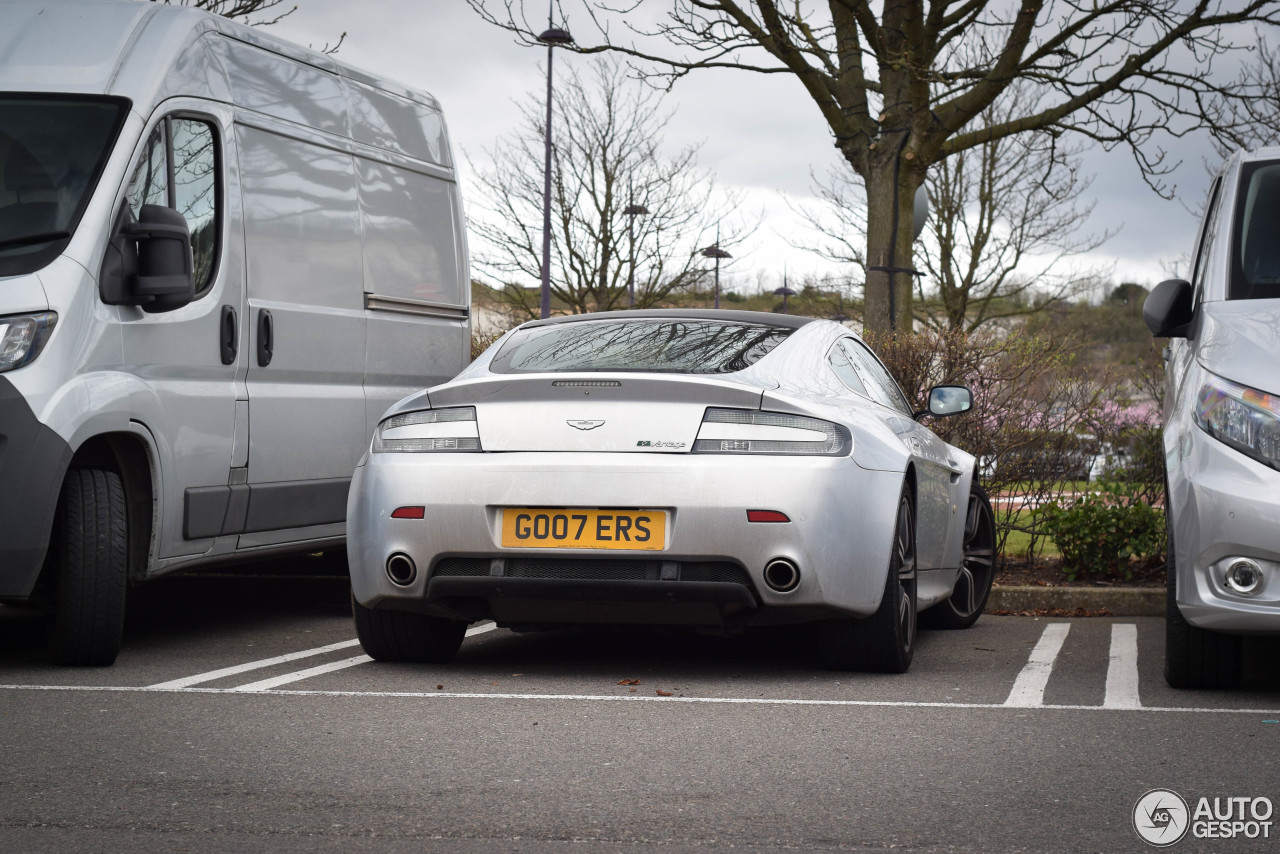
x=551 y=38
x=714 y=251
x=632 y=211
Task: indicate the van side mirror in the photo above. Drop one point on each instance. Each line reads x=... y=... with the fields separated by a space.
x=1168 y=309
x=148 y=262
x=947 y=400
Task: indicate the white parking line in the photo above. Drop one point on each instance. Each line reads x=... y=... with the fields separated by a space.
x=1028 y=688
x=299 y=675
x=188 y=681
x=635 y=698
x=320 y=670
x=1122 y=671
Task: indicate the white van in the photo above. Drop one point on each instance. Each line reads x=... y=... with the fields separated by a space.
x=222 y=257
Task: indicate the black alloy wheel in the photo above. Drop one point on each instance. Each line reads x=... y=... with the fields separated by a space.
x=977 y=568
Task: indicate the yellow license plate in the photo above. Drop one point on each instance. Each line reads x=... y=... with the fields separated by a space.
x=569 y=528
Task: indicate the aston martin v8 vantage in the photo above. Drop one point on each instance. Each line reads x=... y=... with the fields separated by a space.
x=717 y=470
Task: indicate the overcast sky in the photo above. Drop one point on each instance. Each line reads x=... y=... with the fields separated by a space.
x=760 y=133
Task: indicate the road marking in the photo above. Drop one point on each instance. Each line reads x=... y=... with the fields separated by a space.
x=320 y=670
x=299 y=675
x=635 y=698
x=188 y=681
x=1122 y=671
x=1028 y=688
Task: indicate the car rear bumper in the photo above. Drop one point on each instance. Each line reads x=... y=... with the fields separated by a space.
x=1225 y=506
x=709 y=571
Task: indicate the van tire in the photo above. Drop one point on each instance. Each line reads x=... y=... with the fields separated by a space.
x=388 y=635
x=91 y=568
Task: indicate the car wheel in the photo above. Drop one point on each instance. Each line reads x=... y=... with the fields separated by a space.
x=886 y=641
x=977 y=568
x=388 y=635
x=90 y=568
x=1196 y=657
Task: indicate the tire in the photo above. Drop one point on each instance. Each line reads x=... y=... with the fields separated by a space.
x=885 y=642
x=977 y=568
x=90 y=568
x=388 y=635
x=1196 y=657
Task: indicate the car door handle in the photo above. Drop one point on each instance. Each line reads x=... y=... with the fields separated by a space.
x=266 y=336
x=228 y=335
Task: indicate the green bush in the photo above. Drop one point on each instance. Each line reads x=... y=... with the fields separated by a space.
x=1100 y=531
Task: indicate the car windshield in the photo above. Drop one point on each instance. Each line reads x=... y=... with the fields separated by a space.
x=52 y=150
x=658 y=345
x=1255 y=272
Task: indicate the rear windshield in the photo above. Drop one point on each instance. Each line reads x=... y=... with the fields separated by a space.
x=1255 y=268
x=659 y=345
x=52 y=149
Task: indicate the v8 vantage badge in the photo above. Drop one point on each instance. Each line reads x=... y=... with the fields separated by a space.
x=1161 y=818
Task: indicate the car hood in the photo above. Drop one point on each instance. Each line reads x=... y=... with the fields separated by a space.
x=1239 y=340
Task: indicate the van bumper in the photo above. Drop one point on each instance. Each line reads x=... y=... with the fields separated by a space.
x=33 y=460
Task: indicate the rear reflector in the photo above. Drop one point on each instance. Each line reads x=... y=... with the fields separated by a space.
x=410 y=513
x=767 y=516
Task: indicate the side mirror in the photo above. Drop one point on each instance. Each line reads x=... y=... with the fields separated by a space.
x=1168 y=310
x=156 y=273
x=947 y=400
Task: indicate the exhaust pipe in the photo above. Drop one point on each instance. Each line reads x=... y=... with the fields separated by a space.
x=401 y=569
x=781 y=575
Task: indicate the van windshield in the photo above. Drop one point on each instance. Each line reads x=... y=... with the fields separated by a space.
x=52 y=150
x=1255 y=267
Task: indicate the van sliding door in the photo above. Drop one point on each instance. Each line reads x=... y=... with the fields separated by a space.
x=306 y=316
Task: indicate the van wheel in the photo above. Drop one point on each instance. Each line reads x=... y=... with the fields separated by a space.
x=388 y=635
x=885 y=642
x=91 y=568
x=1196 y=657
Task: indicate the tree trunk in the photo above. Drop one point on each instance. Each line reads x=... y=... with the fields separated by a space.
x=889 y=282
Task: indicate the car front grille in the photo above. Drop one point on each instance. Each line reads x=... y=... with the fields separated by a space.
x=593 y=569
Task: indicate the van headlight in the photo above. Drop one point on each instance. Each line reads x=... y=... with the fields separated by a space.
x=746 y=431
x=1242 y=417
x=452 y=429
x=22 y=337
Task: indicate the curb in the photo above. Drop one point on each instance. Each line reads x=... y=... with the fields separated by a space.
x=1120 y=601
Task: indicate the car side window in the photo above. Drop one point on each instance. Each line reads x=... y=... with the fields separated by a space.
x=179 y=169
x=1204 y=250
x=844 y=369
x=875 y=376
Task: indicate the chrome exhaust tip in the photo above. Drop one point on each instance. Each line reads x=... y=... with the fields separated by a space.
x=781 y=575
x=401 y=569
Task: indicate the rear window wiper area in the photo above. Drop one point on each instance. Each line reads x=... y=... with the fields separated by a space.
x=38 y=237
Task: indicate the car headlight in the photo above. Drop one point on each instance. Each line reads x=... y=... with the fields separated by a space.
x=745 y=431
x=1242 y=417
x=22 y=337
x=451 y=430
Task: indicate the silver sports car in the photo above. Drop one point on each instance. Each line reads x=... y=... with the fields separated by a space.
x=706 y=469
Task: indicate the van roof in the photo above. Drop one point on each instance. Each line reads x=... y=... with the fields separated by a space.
x=81 y=46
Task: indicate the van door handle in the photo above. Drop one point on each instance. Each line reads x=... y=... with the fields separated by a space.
x=229 y=335
x=266 y=336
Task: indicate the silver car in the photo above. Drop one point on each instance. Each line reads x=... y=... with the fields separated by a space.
x=1222 y=428
x=705 y=469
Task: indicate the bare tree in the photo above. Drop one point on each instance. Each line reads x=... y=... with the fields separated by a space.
x=904 y=84
x=607 y=157
x=1004 y=233
x=254 y=13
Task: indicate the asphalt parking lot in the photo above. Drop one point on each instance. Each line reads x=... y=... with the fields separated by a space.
x=242 y=715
